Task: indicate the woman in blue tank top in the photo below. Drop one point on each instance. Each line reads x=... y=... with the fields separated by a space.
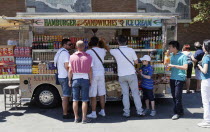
x=205 y=84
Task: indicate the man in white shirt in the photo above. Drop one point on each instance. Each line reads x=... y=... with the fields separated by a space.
x=61 y=60
x=127 y=75
x=98 y=81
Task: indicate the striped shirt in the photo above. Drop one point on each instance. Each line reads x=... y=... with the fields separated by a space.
x=147 y=83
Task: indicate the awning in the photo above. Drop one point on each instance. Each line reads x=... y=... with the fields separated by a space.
x=92 y=20
x=78 y=16
x=8 y=25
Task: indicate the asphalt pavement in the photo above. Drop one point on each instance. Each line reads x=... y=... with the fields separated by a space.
x=30 y=118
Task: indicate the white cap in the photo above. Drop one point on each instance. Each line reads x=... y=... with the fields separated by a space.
x=146 y=57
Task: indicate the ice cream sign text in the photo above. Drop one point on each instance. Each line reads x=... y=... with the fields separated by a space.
x=99 y=23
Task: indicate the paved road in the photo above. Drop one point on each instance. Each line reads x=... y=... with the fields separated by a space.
x=30 y=118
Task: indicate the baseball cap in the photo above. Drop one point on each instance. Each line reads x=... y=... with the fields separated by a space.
x=146 y=57
x=197 y=44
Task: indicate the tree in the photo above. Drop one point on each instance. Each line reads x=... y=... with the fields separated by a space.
x=203 y=8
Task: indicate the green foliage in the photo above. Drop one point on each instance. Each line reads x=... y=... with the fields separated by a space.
x=203 y=8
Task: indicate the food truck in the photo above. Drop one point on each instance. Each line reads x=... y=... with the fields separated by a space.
x=41 y=34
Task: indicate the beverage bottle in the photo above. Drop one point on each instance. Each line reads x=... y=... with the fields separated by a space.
x=155 y=67
x=16 y=61
x=24 y=60
x=151 y=43
x=167 y=60
x=143 y=47
x=30 y=69
x=17 y=69
x=140 y=43
x=147 y=43
x=20 y=61
x=131 y=42
x=160 y=43
x=30 y=61
x=27 y=69
x=20 y=69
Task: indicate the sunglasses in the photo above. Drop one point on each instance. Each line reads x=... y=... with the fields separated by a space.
x=69 y=44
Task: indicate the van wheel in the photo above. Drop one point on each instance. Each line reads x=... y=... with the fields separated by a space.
x=47 y=96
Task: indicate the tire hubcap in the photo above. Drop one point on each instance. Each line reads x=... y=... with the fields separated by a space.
x=46 y=97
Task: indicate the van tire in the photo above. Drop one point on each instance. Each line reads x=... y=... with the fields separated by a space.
x=46 y=96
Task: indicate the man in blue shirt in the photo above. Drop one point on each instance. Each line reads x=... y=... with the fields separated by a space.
x=196 y=58
x=178 y=75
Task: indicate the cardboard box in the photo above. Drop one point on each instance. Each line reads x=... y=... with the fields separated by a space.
x=160 y=88
x=114 y=93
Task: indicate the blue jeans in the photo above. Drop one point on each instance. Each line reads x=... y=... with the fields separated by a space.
x=65 y=87
x=80 y=87
x=176 y=91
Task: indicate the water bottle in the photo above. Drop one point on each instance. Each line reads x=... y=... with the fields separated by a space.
x=30 y=69
x=28 y=61
x=17 y=69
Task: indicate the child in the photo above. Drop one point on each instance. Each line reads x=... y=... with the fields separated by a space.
x=205 y=84
x=146 y=72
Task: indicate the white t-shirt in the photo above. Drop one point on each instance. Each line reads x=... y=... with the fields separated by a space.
x=123 y=65
x=98 y=69
x=63 y=58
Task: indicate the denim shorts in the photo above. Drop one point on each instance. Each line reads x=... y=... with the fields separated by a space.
x=65 y=86
x=80 y=87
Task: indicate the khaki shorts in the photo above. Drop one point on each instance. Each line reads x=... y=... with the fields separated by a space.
x=97 y=87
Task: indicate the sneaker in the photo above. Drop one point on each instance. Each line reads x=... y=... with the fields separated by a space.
x=175 y=117
x=126 y=114
x=145 y=111
x=140 y=114
x=91 y=115
x=102 y=113
x=76 y=120
x=87 y=120
x=153 y=113
x=67 y=116
x=188 y=91
x=204 y=124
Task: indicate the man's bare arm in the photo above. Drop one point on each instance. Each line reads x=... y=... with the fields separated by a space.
x=184 y=67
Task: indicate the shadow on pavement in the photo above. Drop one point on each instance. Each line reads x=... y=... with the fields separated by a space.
x=114 y=111
x=5 y=114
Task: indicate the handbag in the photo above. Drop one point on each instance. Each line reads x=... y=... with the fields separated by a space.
x=98 y=57
x=128 y=60
x=56 y=74
x=56 y=79
x=126 y=57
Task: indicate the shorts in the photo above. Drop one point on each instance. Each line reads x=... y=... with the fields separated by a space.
x=189 y=70
x=65 y=86
x=197 y=74
x=148 y=94
x=80 y=87
x=97 y=87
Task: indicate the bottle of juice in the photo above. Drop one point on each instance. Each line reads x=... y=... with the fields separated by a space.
x=167 y=60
